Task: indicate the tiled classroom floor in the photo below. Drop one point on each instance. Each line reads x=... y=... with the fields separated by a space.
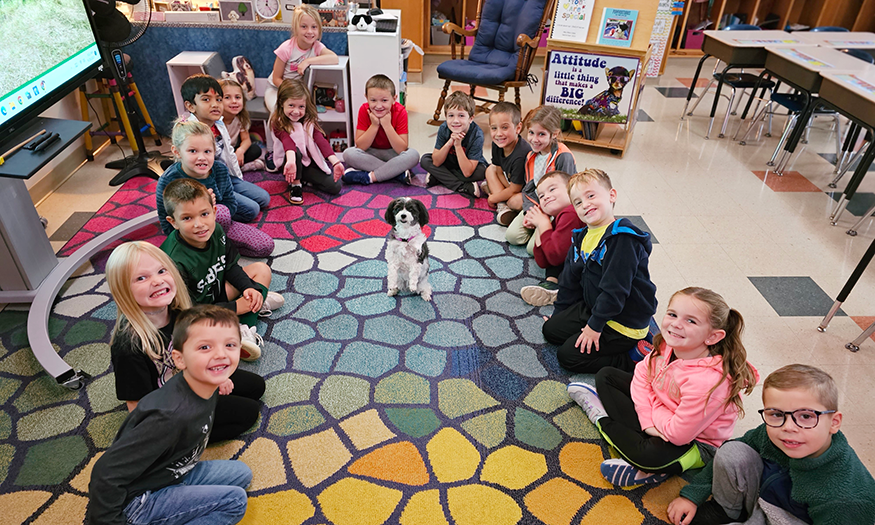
x=721 y=222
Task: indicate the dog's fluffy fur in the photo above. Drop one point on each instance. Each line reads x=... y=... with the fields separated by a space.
x=406 y=250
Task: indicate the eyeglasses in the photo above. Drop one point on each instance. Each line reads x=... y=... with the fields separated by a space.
x=804 y=417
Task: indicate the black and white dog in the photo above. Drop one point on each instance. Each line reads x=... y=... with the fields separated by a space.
x=406 y=250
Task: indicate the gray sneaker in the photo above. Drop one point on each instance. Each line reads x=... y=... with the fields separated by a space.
x=273 y=301
x=540 y=295
x=586 y=396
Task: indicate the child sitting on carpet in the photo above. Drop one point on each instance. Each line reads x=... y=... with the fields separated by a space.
x=797 y=467
x=307 y=154
x=554 y=221
x=381 y=149
x=208 y=263
x=606 y=299
x=548 y=154
x=236 y=119
x=507 y=174
x=143 y=282
x=194 y=147
x=457 y=161
x=684 y=398
x=152 y=472
x=204 y=99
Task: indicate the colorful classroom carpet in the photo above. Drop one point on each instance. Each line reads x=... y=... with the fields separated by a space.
x=378 y=409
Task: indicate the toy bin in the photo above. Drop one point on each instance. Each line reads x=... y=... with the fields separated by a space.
x=694 y=39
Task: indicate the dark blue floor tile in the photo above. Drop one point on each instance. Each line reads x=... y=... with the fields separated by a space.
x=674 y=92
x=794 y=296
x=860 y=204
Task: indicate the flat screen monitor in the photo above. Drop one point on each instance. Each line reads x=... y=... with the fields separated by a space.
x=48 y=49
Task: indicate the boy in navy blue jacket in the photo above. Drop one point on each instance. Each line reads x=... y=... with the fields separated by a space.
x=606 y=297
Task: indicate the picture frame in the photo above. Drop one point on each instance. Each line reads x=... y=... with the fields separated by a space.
x=237 y=10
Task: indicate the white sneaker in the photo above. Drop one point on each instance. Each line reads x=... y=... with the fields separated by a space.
x=255 y=165
x=273 y=301
x=586 y=396
x=250 y=343
x=504 y=214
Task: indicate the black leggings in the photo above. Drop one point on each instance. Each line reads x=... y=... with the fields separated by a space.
x=252 y=153
x=237 y=412
x=553 y=271
x=563 y=329
x=319 y=179
x=622 y=429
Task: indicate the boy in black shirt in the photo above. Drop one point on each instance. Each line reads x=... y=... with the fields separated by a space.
x=151 y=471
x=208 y=263
x=506 y=176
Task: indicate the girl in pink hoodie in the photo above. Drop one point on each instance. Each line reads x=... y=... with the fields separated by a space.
x=684 y=398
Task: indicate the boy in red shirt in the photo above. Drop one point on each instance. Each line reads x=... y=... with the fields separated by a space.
x=381 y=151
x=553 y=221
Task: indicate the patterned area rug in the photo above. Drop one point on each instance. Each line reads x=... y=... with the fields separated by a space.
x=378 y=409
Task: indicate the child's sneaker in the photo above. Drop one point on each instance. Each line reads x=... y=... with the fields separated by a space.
x=296 y=194
x=586 y=396
x=622 y=474
x=540 y=295
x=354 y=176
x=255 y=165
x=504 y=214
x=476 y=190
x=269 y=164
x=405 y=178
x=250 y=343
x=273 y=301
x=484 y=187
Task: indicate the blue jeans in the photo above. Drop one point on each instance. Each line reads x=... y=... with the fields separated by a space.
x=211 y=494
x=250 y=200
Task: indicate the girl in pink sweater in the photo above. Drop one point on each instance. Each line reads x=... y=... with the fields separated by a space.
x=684 y=398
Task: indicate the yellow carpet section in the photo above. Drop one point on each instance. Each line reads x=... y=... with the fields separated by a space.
x=513 y=467
x=581 y=461
x=452 y=457
x=356 y=502
x=17 y=506
x=613 y=509
x=556 y=501
x=482 y=505
x=289 y=508
x=424 y=508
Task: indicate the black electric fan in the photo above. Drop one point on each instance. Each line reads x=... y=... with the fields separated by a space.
x=114 y=31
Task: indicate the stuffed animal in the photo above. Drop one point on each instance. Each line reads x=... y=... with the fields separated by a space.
x=243 y=74
x=363 y=23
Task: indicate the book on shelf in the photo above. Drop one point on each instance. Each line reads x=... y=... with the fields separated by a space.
x=617 y=27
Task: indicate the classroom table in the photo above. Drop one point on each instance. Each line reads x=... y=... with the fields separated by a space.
x=853 y=40
x=800 y=68
x=738 y=49
x=854 y=96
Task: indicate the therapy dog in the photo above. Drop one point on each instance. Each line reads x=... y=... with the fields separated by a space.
x=606 y=103
x=406 y=250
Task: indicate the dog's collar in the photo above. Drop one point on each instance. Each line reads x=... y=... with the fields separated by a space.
x=403 y=239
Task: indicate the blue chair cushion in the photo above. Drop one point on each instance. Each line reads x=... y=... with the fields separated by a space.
x=493 y=58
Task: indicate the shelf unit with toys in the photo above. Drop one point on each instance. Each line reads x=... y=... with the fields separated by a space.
x=330 y=87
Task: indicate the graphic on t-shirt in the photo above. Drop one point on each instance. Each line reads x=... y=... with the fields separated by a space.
x=186 y=463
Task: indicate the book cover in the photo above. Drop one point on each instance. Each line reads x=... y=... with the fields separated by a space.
x=571 y=20
x=617 y=27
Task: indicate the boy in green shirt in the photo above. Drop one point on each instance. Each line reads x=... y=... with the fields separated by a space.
x=208 y=262
x=795 y=468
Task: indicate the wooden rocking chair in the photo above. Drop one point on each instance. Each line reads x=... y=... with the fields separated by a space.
x=506 y=36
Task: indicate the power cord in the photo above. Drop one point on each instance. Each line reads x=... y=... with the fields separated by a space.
x=100 y=124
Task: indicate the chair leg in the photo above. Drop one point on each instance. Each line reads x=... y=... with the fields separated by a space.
x=436 y=120
x=786 y=133
x=738 y=103
x=699 y=99
x=808 y=129
x=753 y=122
x=726 y=116
x=838 y=135
x=472 y=89
x=848 y=165
x=853 y=231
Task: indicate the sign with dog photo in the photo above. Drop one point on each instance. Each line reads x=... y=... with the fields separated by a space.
x=590 y=87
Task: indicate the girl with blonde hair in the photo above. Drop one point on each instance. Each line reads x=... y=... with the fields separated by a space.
x=144 y=282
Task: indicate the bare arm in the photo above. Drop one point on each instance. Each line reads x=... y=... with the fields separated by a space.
x=439 y=156
x=277 y=75
x=398 y=142
x=467 y=165
x=364 y=138
x=326 y=58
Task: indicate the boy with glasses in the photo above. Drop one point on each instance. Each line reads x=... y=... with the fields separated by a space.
x=795 y=468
